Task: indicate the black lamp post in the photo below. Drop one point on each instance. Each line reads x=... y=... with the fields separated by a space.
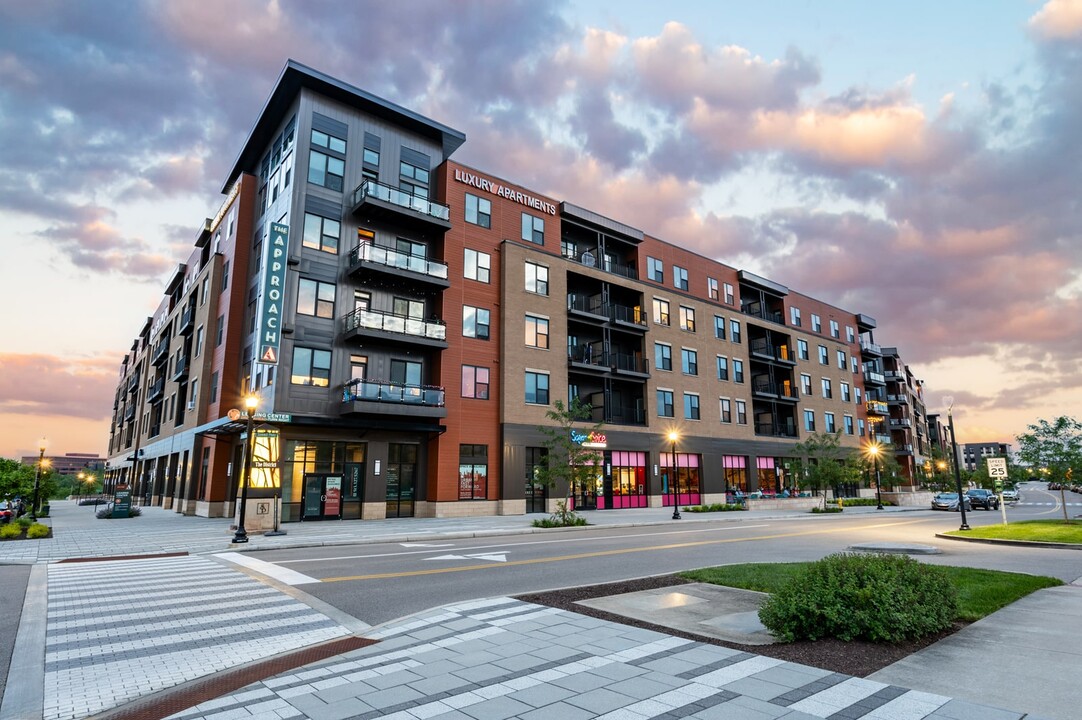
x=37 y=479
x=957 y=470
x=250 y=404
x=874 y=450
x=673 y=437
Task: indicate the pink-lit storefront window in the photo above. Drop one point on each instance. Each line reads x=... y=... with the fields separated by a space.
x=628 y=482
x=686 y=482
x=736 y=473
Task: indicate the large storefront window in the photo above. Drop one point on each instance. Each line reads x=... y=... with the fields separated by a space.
x=306 y=465
x=628 y=486
x=472 y=472
x=684 y=478
x=536 y=491
x=773 y=477
x=736 y=473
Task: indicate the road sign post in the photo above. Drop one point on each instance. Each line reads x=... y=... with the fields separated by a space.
x=997 y=470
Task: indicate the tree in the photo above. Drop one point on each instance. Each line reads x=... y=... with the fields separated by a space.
x=822 y=462
x=1056 y=447
x=16 y=479
x=570 y=465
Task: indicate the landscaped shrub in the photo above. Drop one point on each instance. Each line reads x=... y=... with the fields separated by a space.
x=37 y=531
x=25 y=521
x=827 y=509
x=716 y=507
x=11 y=530
x=561 y=518
x=853 y=502
x=881 y=598
x=107 y=512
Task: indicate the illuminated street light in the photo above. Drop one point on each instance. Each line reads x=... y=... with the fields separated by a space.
x=37 y=479
x=250 y=404
x=957 y=471
x=673 y=437
x=873 y=451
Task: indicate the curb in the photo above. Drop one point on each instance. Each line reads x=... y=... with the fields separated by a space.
x=1014 y=543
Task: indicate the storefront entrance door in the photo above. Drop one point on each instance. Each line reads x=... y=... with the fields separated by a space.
x=322 y=497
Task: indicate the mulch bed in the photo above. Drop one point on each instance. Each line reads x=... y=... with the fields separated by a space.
x=856 y=658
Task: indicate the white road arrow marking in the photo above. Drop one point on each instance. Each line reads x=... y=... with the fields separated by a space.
x=494 y=557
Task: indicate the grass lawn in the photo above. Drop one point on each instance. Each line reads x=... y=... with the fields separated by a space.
x=980 y=592
x=1034 y=530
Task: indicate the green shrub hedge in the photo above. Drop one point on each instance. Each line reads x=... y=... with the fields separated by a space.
x=830 y=508
x=716 y=507
x=854 y=502
x=11 y=530
x=881 y=598
x=37 y=531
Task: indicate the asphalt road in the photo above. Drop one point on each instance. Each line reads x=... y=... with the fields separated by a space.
x=377 y=583
x=13 y=579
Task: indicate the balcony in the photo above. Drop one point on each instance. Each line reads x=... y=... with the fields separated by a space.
x=161 y=352
x=633 y=364
x=882 y=439
x=181 y=370
x=755 y=308
x=370 y=397
x=869 y=348
x=133 y=383
x=589 y=357
x=394 y=328
x=369 y=257
x=761 y=348
x=389 y=203
x=875 y=378
x=157 y=391
x=898 y=399
x=620 y=415
x=589 y=257
x=903 y=449
x=187 y=319
x=588 y=307
x=775 y=390
x=129 y=413
x=877 y=407
x=627 y=316
x=776 y=429
x=894 y=376
x=899 y=423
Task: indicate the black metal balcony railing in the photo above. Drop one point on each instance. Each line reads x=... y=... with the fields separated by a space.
x=399 y=324
x=370 y=252
x=399 y=198
x=759 y=310
x=186 y=320
x=780 y=352
x=782 y=390
x=787 y=429
x=129 y=413
x=632 y=362
x=181 y=368
x=133 y=383
x=624 y=415
x=388 y=392
x=632 y=315
x=157 y=390
x=593 y=257
x=589 y=354
x=586 y=304
x=161 y=352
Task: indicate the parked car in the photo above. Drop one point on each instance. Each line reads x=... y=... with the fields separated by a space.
x=948 y=501
x=983 y=499
x=1010 y=495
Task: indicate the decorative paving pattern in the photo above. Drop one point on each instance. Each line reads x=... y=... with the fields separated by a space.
x=120 y=630
x=502 y=658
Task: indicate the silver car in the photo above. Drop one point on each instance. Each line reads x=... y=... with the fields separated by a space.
x=1010 y=495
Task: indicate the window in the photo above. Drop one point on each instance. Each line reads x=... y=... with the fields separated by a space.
x=848 y=421
x=823 y=355
x=856 y=395
x=478 y=265
x=406 y=372
x=475 y=382
x=809 y=420
x=719 y=327
x=537 y=332
x=802 y=349
x=817 y=323
x=413 y=179
x=315 y=298
x=689 y=361
x=225 y=272
x=805 y=384
x=371 y=157
x=213 y=388
x=472 y=472
x=741 y=412
x=204 y=290
x=835 y=331
x=311 y=367
x=533 y=229
x=358 y=367
x=712 y=288
x=326 y=170
x=198 y=341
x=537 y=278
x=691 y=406
x=726 y=410
x=828 y=422
x=655 y=269
x=850 y=335
x=841 y=360
x=729 y=297
x=321 y=233
x=328 y=142
x=661 y=312
x=478 y=211
x=845 y=392
x=734 y=330
x=679 y=277
x=475 y=322
x=662 y=356
x=409 y=308
x=664 y=403
x=723 y=368
x=853 y=364
x=794 y=316
x=537 y=388
x=687 y=319
x=860 y=427
x=220 y=335
x=827 y=392
x=738 y=370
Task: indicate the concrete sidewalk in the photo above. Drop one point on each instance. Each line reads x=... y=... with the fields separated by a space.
x=496 y=658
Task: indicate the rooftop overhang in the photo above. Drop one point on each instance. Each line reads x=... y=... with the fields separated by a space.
x=294 y=78
x=762 y=283
x=865 y=322
x=177 y=279
x=600 y=221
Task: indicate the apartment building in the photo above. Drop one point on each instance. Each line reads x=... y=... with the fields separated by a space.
x=974 y=454
x=406 y=322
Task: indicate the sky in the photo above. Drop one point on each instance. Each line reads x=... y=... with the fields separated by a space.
x=917 y=162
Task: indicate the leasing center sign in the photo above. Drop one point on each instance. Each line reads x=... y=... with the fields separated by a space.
x=503 y=191
x=274 y=280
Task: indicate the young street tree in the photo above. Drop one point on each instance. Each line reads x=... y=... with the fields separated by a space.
x=1056 y=447
x=570 y=465
x=822 y=462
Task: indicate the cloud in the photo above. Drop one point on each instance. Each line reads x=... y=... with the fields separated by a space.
x=55 y=386
x=1058 y=20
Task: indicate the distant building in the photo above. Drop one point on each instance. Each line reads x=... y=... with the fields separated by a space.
x=974 y=454
x=70 y=463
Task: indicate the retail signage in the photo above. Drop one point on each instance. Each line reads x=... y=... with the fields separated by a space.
x=333 y=504
x=265 y=458
x=592 y=439
x=274 y=280
x=121 y=501
x=273 y=417
x=503 y=191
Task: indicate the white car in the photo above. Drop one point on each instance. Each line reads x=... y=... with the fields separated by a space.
x=1010 y=496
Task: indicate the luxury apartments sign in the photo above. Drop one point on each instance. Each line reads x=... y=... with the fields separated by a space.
x=503 y=191
x=274 y=280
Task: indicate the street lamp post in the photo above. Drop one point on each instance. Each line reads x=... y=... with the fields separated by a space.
x=37 y=479
x=957 y=471
x=79 y=493
x=250 y=404
x=673 y=437
x=874 y=449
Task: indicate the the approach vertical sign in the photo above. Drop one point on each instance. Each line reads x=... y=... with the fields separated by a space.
x=274 y=281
